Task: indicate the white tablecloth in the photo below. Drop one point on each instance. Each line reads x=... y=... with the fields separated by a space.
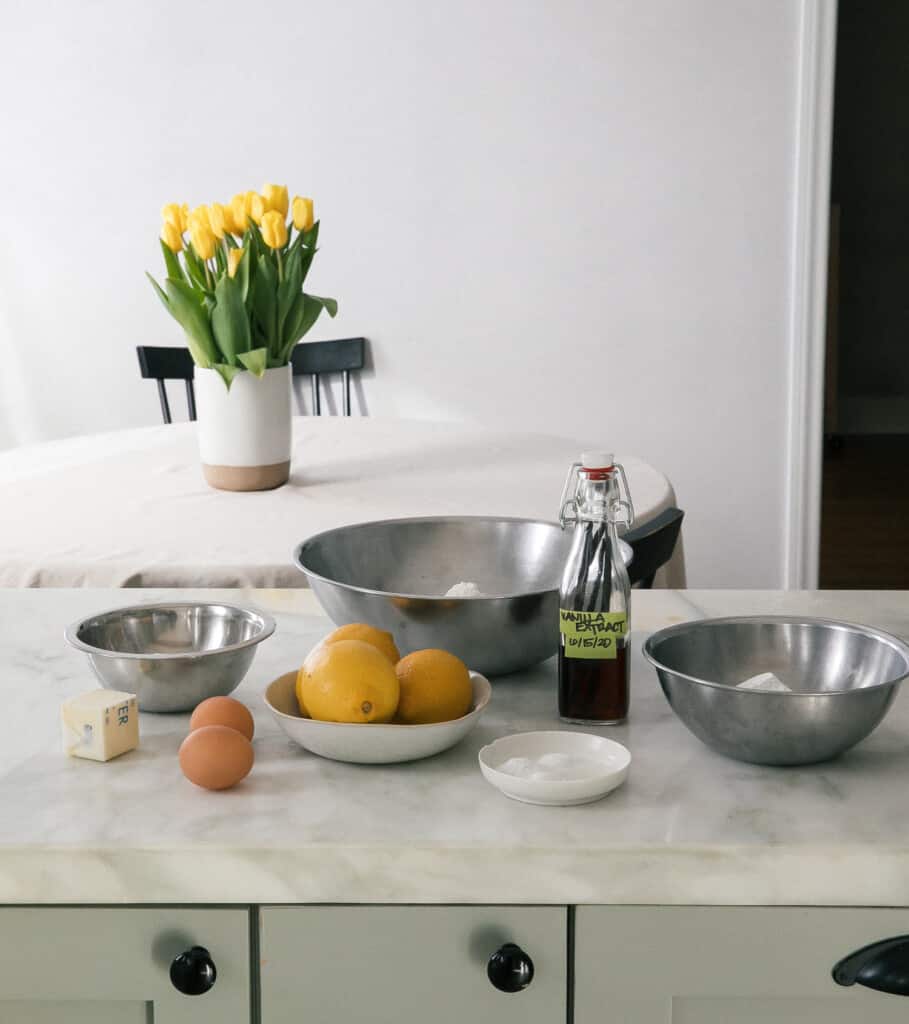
x=131 y=509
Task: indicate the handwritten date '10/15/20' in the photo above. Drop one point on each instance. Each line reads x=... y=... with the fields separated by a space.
x=592 y=634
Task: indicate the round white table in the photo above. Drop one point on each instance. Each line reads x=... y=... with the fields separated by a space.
x=130 y=509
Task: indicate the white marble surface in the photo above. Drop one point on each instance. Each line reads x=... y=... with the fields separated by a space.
x=688 y=826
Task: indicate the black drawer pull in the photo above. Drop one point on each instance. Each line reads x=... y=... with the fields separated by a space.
x=193 y=973
x=510 y=969
x=883 y=966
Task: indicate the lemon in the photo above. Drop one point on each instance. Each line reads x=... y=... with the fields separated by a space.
x=379 y=638
x=348 y=681
x=298 y=689
x=435 y=687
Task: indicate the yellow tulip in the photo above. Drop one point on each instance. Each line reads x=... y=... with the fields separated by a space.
x=199 y=215
x=233 y=260
x=171 y=237
x=274 y=230
x=255 y=206
x=176 y=214
x=202 y=237
x=275 y=197
x=236 y=214
x=302 y=211
x=217 y=219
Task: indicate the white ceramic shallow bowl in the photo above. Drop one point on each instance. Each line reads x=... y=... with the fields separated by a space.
x=611 y=767
x=371 y=744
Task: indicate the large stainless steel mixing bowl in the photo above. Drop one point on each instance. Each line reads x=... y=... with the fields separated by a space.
x=172 y=656
x=843 y=679
x=393 y=574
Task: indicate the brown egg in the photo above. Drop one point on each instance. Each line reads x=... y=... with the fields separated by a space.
x=216 y=757
x=223 y=711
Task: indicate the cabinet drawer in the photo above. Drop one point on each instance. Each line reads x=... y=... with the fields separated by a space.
x=654 y=965
x=106 y=965
x=403 y=964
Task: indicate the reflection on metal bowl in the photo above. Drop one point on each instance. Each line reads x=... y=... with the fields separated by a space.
x=172 y=656
x=842 y=681
x=394 y=574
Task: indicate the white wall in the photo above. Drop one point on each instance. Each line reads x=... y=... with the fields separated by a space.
x=550 y=215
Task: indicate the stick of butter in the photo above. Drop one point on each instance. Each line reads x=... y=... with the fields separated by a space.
x=100 y=724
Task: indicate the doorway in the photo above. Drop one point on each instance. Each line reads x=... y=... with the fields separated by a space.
x=864 y=536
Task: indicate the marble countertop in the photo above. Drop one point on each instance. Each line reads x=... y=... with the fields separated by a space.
x=689 y=827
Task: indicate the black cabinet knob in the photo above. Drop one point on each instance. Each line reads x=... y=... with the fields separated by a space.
x=193 y=972
x=883 y=966
x=510 y=969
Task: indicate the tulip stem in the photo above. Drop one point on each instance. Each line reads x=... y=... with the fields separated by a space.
x=208 y=276
x=280 y=265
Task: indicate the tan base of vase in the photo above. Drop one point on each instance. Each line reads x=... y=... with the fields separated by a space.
x=247 y=478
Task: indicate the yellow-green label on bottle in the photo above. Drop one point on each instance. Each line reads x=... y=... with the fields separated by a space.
x=592 y=635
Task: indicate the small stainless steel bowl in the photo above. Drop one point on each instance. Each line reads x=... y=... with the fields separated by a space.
x=172 y=656
x=843 y=680
x=393 y=574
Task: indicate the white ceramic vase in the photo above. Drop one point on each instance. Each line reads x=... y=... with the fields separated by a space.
x=244 y=433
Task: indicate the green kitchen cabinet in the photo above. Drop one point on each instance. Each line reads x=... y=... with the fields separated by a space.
x=98 y=965
x=397 y=965
x=727 y=965
x=326 y=964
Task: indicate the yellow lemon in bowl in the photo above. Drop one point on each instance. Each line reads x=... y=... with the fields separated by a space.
x=348 y=681
x=379 y=638
x=435 y=687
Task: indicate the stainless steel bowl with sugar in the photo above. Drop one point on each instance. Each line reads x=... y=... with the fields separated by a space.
x=396 y=574
x=840 y=681
x=174 y=655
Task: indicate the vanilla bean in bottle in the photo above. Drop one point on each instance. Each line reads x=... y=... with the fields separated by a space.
x=595 y=595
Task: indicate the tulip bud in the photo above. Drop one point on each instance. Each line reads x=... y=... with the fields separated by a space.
x=255 y=206
x=233 y=260
x=171 y=237
x=274 y=230
x=176 y=214
x=302 y=212
x=217 y=220
x=275 y=197
x=202 y=237
x=236 y=214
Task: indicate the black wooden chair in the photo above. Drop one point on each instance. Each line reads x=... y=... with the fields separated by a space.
x=653 y=544
x=163 y=364
x=313 y=359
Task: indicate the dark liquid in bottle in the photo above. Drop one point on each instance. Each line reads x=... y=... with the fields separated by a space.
x=594 y=690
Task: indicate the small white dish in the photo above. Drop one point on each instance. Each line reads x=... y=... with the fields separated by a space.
x=601 y=766
x=371 y=744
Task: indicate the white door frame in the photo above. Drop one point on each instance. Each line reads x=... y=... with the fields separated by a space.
x=811 y=214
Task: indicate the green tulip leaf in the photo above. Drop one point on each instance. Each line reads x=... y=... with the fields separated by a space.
x=227 y=372
x=195 y=269
x=159 y=291
x=229 y=321
x=191 y=314
x=306 y=258
x=303 y=314
x=329 y=305
x=305 y=244
x=171 y=262
x=256 y=361
x=265 y=301
x=293 y=328
x=289 y=290
x=241 y=275
x=311 y=237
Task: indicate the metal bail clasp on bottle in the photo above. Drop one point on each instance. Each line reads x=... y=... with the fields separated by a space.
x=619 y=512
